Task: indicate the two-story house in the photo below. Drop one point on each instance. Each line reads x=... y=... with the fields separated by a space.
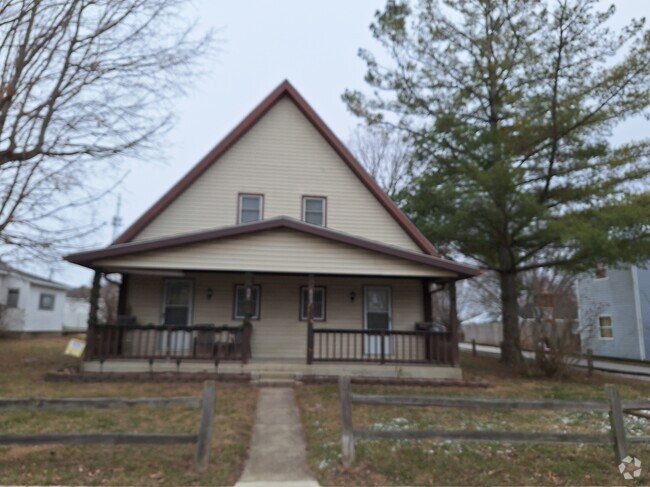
x=614 y=309
x=276 y=248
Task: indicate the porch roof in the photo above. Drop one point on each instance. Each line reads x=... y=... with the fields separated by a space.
x=102 y=257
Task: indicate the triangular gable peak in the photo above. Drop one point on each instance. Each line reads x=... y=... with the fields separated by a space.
x=201 y=199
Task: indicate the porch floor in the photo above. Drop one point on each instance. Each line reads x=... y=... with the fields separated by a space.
x=285 y=368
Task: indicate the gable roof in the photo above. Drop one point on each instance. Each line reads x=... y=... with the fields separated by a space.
x=6 y=269
x=285 y=89
x=119 y=250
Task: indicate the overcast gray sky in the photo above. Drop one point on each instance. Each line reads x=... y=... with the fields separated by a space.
x=313 y=44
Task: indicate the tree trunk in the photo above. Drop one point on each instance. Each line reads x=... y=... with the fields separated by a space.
x=511 y=346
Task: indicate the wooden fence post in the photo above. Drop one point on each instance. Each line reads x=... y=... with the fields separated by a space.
x=347 y=435
x=473 y=348
x=617 y=423
x=205 y=428
x=590 y=362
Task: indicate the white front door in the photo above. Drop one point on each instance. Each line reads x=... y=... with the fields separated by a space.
x=177 y=311
x=376 y=317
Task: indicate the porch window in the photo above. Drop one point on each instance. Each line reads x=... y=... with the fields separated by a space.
x=605 y=326
x=46 y=302
x=319 y=303
x=240 y=302
x=314 y=210
x=250 y=207
x=12 y=298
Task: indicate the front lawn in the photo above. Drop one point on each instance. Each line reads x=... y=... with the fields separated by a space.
x=466 y=463
x=22 y=365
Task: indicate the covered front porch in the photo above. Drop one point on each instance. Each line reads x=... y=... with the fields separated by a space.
x=290 y=324
x=277 y=290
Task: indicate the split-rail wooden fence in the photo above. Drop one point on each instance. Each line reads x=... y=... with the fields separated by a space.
x=616 y=409
x=202 y=440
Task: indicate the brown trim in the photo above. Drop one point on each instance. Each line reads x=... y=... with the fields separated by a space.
x=303 y=208
x=234 y=302
x=239 y=197
x=87 y=258
x=302 y=290
x=285 y=89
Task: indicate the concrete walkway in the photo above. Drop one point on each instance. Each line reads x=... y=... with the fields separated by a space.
x=277 y=454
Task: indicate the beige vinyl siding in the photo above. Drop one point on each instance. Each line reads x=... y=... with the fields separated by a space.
x=284 y=158
x=280 y=250
x=279 y=334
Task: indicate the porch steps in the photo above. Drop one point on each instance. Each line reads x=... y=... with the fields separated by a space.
x=275 y=379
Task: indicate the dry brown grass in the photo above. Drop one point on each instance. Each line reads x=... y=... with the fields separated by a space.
x=22 y=365
x=450 y=463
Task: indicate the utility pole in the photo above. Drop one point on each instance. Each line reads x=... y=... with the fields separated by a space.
x=117 y=219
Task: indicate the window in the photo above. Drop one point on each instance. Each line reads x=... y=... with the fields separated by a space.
x=46 y=301
x=12 y=298
x=240 y=302
x=601 y=271
x=319 y=303
x=314 y=210
x=177 y=302
x=250 y=208
x=605 y=326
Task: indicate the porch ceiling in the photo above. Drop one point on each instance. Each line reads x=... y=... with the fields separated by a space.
x=279 y=245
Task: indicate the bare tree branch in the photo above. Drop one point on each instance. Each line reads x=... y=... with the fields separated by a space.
x=84 y=84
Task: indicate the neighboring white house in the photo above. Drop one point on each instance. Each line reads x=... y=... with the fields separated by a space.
x=76 y=314
x=30 y=303
x=615 y=311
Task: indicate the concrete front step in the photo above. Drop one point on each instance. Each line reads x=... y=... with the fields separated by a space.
x=274 y=383
x=275 y=380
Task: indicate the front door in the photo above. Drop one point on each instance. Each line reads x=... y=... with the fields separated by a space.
x=177 y=311
x=377 y=317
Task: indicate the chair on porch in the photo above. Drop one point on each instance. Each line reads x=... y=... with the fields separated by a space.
x=205 y=343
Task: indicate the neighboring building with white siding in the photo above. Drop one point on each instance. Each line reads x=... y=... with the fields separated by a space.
x=281 y=229
x=614 y=307
x=30 y=303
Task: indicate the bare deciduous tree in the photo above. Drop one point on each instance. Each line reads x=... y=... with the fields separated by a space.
x=384 y=154
x=484 y=293
x=81 y=82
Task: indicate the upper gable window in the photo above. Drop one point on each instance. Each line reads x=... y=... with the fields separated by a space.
x=314 y=210
x=250 y=207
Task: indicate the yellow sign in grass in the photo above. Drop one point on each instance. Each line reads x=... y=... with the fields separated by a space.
x=75 y=348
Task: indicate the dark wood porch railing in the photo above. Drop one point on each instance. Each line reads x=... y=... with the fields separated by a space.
x=196 y=342
x=389 y=346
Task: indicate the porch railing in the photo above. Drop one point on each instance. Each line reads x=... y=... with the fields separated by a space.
x=195 y=342
x=386 y=346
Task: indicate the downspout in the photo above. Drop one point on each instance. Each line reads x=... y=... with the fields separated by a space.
x=637 y=309
x=576 y=290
